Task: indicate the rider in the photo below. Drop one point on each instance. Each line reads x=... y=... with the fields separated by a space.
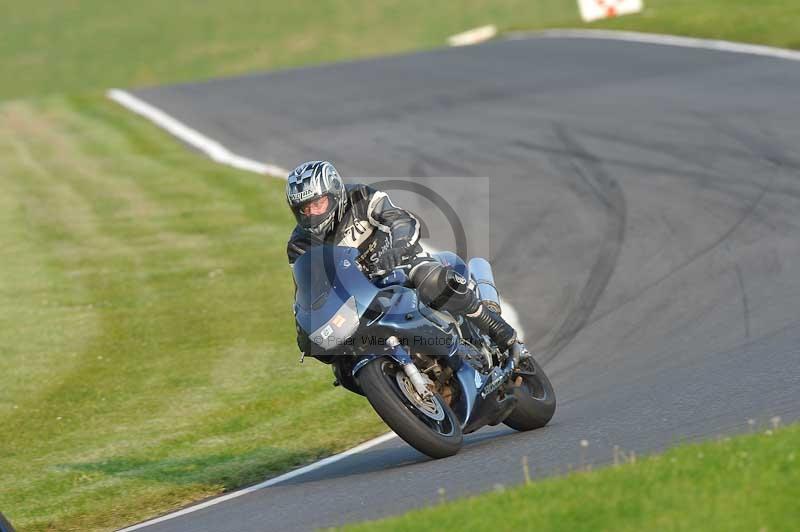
x=328 y=211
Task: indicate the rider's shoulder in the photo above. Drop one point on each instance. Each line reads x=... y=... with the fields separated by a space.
x=359 y=191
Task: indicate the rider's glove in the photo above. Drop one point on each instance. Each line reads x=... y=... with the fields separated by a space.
x=391 y=259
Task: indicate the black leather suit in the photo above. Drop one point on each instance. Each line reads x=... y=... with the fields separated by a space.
x=370 y=223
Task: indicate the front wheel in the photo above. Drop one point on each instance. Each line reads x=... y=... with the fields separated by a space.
x=428 y=425
x=536 y=400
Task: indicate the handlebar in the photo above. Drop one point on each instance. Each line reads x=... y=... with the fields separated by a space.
x=396 y=276
x=383 y=273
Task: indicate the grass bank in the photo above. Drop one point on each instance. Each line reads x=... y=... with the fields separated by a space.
x=745 y=483
x=74 y=46
x=147 y=355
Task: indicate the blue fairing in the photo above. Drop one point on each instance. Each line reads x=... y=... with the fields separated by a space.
x=331 y=301
x=326 y=277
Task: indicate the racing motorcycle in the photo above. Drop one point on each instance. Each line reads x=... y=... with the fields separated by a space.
x=430 y=375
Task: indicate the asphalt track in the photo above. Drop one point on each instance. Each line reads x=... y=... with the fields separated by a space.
x=644 y=216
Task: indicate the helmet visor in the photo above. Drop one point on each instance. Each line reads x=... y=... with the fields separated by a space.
x=315 y=211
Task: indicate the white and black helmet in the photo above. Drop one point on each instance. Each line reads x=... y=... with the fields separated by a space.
x=309 y=182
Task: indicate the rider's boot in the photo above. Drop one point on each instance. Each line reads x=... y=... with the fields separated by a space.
x=493 y=325
x=466 y=301
x=490 y=323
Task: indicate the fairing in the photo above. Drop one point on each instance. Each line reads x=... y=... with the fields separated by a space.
x=331 y=290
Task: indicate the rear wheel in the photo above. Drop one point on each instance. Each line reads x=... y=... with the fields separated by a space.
x=428 y=425
x=536 y=400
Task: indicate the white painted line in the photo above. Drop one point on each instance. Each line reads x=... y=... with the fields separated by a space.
x=667 y=40
x=223 y=155
x=473 y=36
x=212 y=148
x=271 y=482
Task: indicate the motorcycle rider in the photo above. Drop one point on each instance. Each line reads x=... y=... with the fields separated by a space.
x=387 y=237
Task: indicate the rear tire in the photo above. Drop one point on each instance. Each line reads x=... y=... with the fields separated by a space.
x=437 y=439
x=536 y=400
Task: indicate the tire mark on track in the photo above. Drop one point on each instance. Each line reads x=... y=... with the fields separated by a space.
x=767 y=153
x=745 y=303
x=693 y=258
x=606 y=189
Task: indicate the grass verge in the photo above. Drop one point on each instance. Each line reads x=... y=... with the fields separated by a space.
x=74 y=46
x=148 y=354
x=94 y=44
x=747 y=483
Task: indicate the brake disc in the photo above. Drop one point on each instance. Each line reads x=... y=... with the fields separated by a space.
x=430 y=406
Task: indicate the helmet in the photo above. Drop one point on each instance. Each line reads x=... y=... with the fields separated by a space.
x=310 y=182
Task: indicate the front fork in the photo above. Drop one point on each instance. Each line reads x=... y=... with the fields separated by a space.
x=409 y=368
x=398 y=353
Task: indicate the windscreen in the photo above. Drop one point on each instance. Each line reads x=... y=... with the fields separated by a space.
x=325 y=270
x=328 y=279
x=314 y=275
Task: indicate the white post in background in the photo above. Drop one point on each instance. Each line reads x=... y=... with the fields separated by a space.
x=599 y=9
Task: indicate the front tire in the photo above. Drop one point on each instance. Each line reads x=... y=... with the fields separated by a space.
x=536 y=400
x=418 y=426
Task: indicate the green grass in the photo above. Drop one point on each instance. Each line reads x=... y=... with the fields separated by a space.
x=93 y=44
x=72 y=46
x=747 y=483
x=148 y=354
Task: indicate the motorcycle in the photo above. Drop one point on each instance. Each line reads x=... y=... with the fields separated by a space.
x=430 y=375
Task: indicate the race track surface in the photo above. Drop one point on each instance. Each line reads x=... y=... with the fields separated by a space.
x=644 y=221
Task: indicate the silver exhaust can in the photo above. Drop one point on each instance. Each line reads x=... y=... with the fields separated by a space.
x=481 y=272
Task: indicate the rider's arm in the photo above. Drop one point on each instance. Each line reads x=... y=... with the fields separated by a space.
x=297 y=245
x=385 y=215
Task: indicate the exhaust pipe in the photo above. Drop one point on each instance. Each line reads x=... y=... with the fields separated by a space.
x=481 y=272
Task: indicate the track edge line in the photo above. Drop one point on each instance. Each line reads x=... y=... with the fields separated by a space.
x=660 y=38
x=213 y=149
x=267 y=483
